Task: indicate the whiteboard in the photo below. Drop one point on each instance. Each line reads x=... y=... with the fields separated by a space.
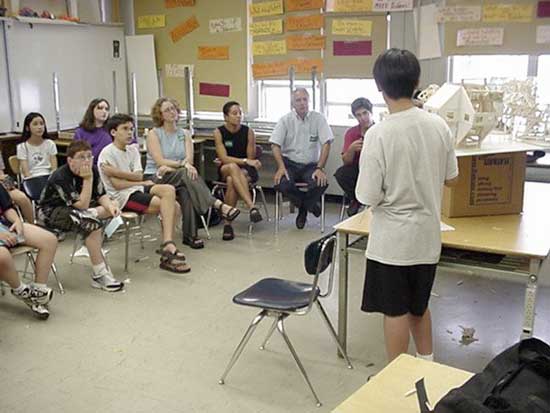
x=83 y=58
x=141 y=61
x=5 y=114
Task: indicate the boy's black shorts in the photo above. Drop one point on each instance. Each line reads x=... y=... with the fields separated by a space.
x=396 y=290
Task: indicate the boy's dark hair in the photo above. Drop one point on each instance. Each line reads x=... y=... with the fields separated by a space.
x=77 y=146
x=227 y=107
x=361 y=103
x=397 y=73
x=116 y=120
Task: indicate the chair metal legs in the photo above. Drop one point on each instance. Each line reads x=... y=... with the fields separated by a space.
x=269 y=334
x=333 y=333
x=243 y=343
x=281 y=329
x=323 y=213
x=59 y=285
x=264 y=202
x=279 y=210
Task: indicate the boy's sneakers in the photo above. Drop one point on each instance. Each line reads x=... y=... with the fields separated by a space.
x=105 y=281
x=35 y=299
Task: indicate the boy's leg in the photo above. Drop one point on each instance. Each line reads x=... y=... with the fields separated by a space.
x=46 y=244
x=396 y=335
x=93 y=243
x=346 y=176
x=24 y=203
x=421 y=330
x=421 y=279
x=8 y=272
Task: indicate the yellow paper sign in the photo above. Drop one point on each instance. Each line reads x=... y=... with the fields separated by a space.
x=315 y=21
x=274 y=47
x=297 y=5
x=266 y=27
x=307 y=65
x=508 y=13
x=352 y=27
x=305 y=42
x=213 y=53
x=266 y=8
x=184 y=28
x=350 y=5
x=151 y=21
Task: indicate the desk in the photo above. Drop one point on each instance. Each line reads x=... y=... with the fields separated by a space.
x=523 y=235
x=386 y=391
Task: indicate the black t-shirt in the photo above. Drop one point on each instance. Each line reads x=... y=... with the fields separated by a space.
x=5 y=201
x=235 y=143
x=64 y=187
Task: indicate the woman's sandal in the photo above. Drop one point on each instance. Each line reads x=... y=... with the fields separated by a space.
x=194 y=242
x=231 y=214
x=255 y=215
x=228 y=233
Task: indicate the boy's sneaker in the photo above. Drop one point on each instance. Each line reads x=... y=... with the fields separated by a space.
x=106 y=282
x=41 y=295
x=27 y=297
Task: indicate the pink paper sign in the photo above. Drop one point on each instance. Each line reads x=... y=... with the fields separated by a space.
x=213 y=89
x=352 y=48
x=543 y=9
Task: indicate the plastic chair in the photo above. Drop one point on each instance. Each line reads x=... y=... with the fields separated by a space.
x=280 y=298
x=31 y=186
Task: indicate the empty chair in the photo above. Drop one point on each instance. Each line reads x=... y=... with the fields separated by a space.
x=280 y=298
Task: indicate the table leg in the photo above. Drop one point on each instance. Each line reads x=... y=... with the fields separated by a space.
x=343 y=290
x=530 y=298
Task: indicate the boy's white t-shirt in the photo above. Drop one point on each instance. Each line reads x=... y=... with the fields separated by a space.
x=38 y=157
x=404 y=163
x=128 y=160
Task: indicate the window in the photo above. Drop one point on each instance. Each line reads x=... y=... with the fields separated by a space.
x=340 y=94
x=488 y=68
x=543 y=79
x=274 y=97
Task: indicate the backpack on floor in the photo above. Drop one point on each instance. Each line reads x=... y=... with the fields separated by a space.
x=515 y=381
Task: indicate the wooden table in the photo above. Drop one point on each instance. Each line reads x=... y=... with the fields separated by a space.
x=386 y=391
x=526 y=236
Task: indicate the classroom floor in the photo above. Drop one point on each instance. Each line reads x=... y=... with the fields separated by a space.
x=162 y=345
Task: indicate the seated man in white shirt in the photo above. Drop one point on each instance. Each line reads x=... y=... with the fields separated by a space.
x=301 y=146
x=122 y=175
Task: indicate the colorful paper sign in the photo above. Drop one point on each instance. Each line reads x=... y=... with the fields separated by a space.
x=349 y=5
x=310 y=22
x=151 y=21
x=392 y=5
x=213 y=53
x=352 y=27
x=170 y=4
x=266 y=27
x=266 y=8
x=307 y=65
x=352 y=48
x=184 y=28
x=228 y=24
x=274 y=47
x=305 y=42
x=508 y=13
x=543 y=9
x=214 y=89
x=458 y=14
x=543 y=34
x=487 y=36
x=280 y=68
x=297 y=5
x=175 y=70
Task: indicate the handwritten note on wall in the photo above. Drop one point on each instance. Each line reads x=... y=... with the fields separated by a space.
x=213 y=53
x=275 y=47
x=267 y=8
x=278 y=68
x=184 y=28
x=352 y=27
x=392 y=5
x=508 y=13
x=487 y=36
x=229 y=24
x=266 y=27
x=458 y=14
x=170 y=4
x=305 y=42
x=151 y=21
x=313 y=22
x=543 y=34
x=349 y=5
x=297 y=5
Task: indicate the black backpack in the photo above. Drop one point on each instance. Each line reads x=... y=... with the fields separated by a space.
x=515 y=381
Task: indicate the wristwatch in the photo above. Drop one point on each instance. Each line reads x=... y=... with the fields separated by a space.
x=321 y=169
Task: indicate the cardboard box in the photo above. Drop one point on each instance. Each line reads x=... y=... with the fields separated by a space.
x=487 y=185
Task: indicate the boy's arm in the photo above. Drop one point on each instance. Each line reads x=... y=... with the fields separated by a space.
x=369 y=183
x=113 y=172
x=120 y=184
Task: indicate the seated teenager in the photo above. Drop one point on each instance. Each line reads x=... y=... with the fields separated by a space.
x=37 y=153
x=13 y=232
x=74 y=200
x=236 y=150
x=170 y=160
x=19 y=198
x=122 y=175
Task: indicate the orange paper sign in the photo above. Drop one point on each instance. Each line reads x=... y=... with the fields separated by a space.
x=213 y=53
x=305 y=42
x=184 y=28
x=315 y=21
x=170 y=4
x=296 y=5
x=280 y=68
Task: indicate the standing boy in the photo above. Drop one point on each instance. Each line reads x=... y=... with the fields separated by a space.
x=122 y=174
x=405 y=161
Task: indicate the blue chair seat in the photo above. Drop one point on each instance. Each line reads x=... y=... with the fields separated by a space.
x=276 y=294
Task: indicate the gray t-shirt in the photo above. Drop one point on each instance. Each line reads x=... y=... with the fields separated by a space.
x=404 y=163
x=38 y=157
x=301 y=140
x=127 y=160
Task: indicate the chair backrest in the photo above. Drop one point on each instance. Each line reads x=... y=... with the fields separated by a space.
x=33 y=186
x=318 y=256
x=15 y=167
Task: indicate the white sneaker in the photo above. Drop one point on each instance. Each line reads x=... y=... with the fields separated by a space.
x=83 y=252
x=106 y=282
x=27 y=296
